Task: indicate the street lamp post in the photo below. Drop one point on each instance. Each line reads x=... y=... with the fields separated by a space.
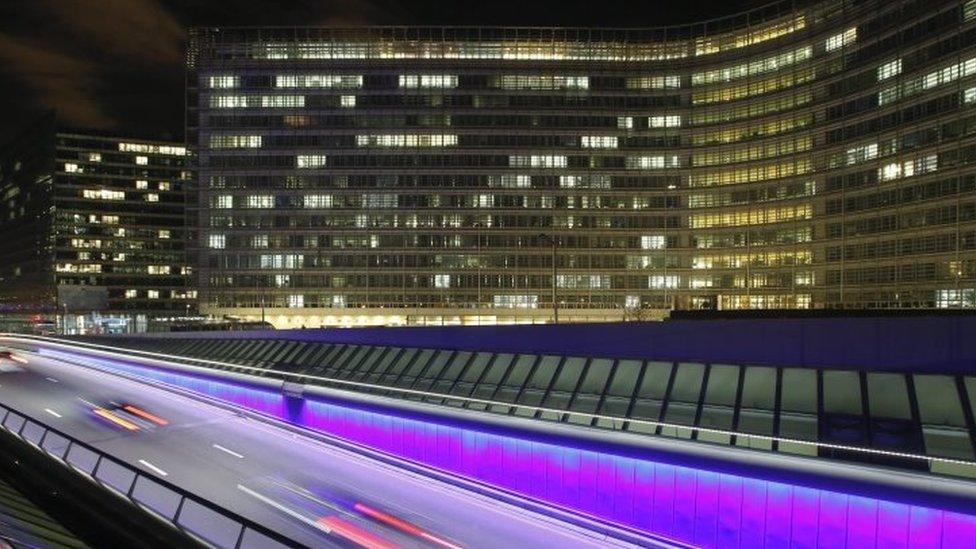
x=555 y=303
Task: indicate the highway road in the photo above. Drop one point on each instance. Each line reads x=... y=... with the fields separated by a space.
x=293 y=484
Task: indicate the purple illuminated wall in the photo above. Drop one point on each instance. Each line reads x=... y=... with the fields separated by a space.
x=682 y=503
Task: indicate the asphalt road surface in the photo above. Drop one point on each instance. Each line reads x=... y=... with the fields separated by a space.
x=316 y=494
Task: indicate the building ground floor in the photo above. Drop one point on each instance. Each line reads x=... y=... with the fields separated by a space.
x=308 y=317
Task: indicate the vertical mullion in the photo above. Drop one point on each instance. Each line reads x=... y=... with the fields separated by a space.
x=603 y=392
x=777 y=407
x=737 y=404
x=866 y=408
x=666 y=397
x=701 y=400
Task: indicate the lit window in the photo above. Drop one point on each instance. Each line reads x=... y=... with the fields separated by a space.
x=652 y=162
x=659 y=282
x=862 y=153
x=537 y=161
x=969 y=10
x=158 y=269
x=130 y=294
x=142 y=184
x=235 y=141
x=164 y=234
x=889 y=171
x=71 y=168
x=224 y=81
x=94 y=157
x=583 y=282
x=598 y=142
x=379 y=200
x=228 y=101
x=671 y=121
x=142 y=160
x=969 y=96
x=946 y=299
x=510 y=181
x=347 y=101
x=408 y=140
x=442 y=281
x=653 y=242
x=338 y=301
x=908 y=168
x=223 y=201
x=344 y=81
x=152 y=294
x=841 y=40
x=625 y=122
x=282 y=101
x=529 y=82
x=595 y=181
x=218 y=241
x=259 y=241
x=310 y=161
x=653 y=82
x=152 y=149
x=259 y=201
x=632 y=302
x=428 y=81
x=152 y=197
x=282 y=261
x=316 y=201
x=102 y=194
x=164 y=185
x=752 y=68
x=890 y=69
x=515 y=301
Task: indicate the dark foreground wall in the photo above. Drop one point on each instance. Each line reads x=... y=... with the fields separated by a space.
x=923 y=343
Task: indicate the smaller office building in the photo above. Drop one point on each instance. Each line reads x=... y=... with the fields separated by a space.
x=92 y=232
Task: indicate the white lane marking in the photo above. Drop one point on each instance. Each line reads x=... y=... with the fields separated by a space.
x=228 y=451
x=52 y=412
x=153 y=467
x=283 y=509
x=92 y=404
x=51 y=379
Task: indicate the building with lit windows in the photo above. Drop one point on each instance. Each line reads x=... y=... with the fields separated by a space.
x=92 y=232
x=801 y=155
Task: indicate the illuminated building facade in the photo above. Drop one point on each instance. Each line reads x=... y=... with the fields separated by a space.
x=93 y=231
x=816 y=156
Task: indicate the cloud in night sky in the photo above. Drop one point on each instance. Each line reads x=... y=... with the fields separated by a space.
x=76 y=56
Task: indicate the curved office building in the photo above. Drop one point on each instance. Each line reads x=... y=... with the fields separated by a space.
x=802 y=155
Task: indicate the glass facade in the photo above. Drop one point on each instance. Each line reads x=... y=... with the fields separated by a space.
x=789 y=157
x=106 y=221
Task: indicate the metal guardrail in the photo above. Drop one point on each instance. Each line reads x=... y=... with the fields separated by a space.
x=204 y=521
x=447 y=399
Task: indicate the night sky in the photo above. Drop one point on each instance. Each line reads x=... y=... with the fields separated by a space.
x=116 y=66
